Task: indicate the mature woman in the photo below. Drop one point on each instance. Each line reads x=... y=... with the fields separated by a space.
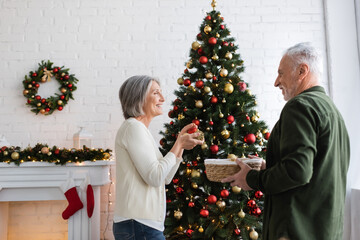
x=141 y=170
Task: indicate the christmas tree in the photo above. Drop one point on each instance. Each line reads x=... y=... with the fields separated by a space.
x=213 y=95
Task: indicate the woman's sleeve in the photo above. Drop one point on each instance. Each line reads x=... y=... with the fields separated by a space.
x=143 y=154
x=173 y=171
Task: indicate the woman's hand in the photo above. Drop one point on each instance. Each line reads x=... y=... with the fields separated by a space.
x=185 y=140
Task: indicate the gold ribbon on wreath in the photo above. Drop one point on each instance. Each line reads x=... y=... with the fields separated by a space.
x=47 y=75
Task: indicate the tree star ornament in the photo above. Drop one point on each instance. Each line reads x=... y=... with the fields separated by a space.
x=44 y=74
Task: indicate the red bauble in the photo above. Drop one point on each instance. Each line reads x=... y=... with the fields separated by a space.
x=237 y=231
x=250 y=138
x=187 y=82
x=37 y=97
x=214 y=78
x=57 y=151
x=214 y=149
x=43 y=100
x=225 y=43
x=186 y=70
x=175 y=180
x=168 y=200
x=222 y=27
x=55 y=70
x=191 y=204
x=33 y=82
x=175 y=108
x=256 y=211
x=211 y=123
x=189 y=232
x=196 y=121
x=247 y=118
x=179 y=190
x=60 y=108
x=69 y=85
x=171 y=123
x=185 y=109
x=28 y=101
x=224 y=193
x=212 y=199
x=200 y=51
x=66 y=77
x=170 y=114
x=37 y=85
x=62 y=97
x=34 y=74
x=47 y=109
x=199 y=36
x=208 y=17
x=177 y=101
x=213 y=99
x=230 y=119
x=199 y=84
x=267 y=135
x=162 y=141
x=251 y=203
x=204 y=213
x=242 y=86
x=212 y=41
x=194 y=163
x=203 y=59
x=259 y=194
x=193 y=129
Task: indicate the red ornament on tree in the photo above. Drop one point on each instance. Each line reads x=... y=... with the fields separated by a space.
x=37 y=85
x=213 y=99
x=242 y=86
x=256 y=211
x=175 y=180
x=214 y=78
x=57 y=151
x=170 y=114
x=199 y=84
x=186 y=70
x=189 y=232
x=267 y=136
x=34 y=74
x=230 y=119
x=176 y=108
x=193 y=129
x=222 y=27
x=237 y=231
x=199 y=36
x=259 y=194
x=187 y=82
x=62 y=97
x=211 y=123
x=60 y=108
x=251 y=203
x=179 y=190
x=208 y=17
x=66 y=77
x=212 y=199
x=225 y=43
x=200 y=51
x=224 y=193
x=204 y=213
x=55 y=70
x=250 y=138
x=214 y=149
x=203 y=59
x=162 y=141
x=191 y=204
x=37 y=97
x=196 y=121
x=212 y=41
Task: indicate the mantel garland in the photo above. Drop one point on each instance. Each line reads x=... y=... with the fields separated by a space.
x=59 y=156
x=41 y=75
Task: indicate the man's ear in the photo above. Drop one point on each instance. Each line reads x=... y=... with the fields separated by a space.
x=303 y=70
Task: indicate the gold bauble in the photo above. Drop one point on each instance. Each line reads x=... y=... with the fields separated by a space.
x=180 y=116
x=254 y=118
x=189 y=64
x=209 y=75
x=180 y=229
x=195 y=45
x=261 y=143
x=207 y=89
x=59 y=102
x=14 y=155
x=217 y=35
x=44 y=150
x=25 y=92
x=29 y=86
x=232 y=65
x=42 y=111
x=201 y=136
x=204 y=146
x=229 y=88
x=225 y=133
x=254 y=235
x=5 y=153
x=106 y=155
x=224 y=100
x=63 y=90
x=180 y=81
x=221 y=115
x=220 y=204
x=215 y=57
x=199 y=104
x=235 y=189
x=248 y=91
x=201 y=229
x=232 y=157
x=207 y=29
x=224 y=72
x=194 y=185
x=188 y=171
x=241 y=214
x=178 y=214
x=195 y=174
x=228 y=55
x=38 y=104
x=43 y=79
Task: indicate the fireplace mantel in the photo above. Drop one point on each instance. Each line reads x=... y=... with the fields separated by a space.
x=36 y=181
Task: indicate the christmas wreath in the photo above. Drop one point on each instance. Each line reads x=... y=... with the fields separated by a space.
x=44 y=74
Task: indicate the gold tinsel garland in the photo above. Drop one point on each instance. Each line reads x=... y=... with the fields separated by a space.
x=59 y=156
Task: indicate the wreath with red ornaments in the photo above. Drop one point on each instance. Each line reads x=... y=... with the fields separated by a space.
x=43 y=74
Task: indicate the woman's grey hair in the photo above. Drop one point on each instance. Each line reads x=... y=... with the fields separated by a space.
x=132 y=95
x=306 y=53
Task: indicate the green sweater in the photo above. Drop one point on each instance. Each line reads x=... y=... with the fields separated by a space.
x=304 y=181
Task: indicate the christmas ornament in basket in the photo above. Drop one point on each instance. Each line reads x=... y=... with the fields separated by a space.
x=218 y=169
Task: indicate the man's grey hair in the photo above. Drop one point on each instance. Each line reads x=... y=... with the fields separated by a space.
x=132 y=94
x=306 y=53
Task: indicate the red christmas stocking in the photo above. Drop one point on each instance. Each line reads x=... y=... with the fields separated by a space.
x=90 y=200
x=73 y=199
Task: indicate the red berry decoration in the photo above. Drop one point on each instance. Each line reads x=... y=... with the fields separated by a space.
x=259 y=194
x=189 y=232
x=199 y=84
x=224 y=193
x=208 y=18
x=212 y=199
x=230 y=119
x=213 y=99
x=192 y=130
x=250 y=138
x=203 y=59
x=237 y=231
x=212 y=41
x=242 y=86
x=214 y=149
x=267 y=136
x=196 y=121
x=187 y=82
x=204 y=213
x=251 y=203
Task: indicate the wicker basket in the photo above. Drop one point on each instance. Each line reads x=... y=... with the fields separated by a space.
x=218 y=169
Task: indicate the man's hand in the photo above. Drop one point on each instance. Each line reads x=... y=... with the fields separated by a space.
x=239 y=178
